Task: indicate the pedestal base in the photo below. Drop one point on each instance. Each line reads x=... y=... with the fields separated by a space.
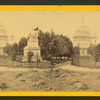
x=33 y=59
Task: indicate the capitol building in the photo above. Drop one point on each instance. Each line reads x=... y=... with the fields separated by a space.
x=3 y=39
x=83 y=39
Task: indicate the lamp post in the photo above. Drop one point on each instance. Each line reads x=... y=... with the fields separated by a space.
x=12 y=38
x=95 y=38
x=51 y=60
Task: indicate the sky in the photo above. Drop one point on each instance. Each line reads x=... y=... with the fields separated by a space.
x=21 y=23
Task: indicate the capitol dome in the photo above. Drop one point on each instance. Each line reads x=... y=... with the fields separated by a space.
x=83 y=38
x=82 y=31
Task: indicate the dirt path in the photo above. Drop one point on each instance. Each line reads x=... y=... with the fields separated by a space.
x=62 y=66
x=76 y=68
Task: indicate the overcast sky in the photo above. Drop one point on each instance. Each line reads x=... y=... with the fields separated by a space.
x=21 y=23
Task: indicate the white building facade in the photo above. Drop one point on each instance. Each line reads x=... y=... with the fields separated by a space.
x=3 y=39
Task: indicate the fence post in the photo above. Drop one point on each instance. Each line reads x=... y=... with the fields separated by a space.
x=37 y=60
x=51 y=63
x=12 y=63
x=95 y=59
x=72 y=59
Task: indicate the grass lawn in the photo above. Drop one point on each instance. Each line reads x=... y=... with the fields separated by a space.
x=8 y=63
x=86 y=62
x=83 y=62
x=47 y=81
x=33 y=65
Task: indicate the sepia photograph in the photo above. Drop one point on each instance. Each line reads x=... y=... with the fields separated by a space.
x=50 y=50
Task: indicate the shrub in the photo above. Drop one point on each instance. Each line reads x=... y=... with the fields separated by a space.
x=30 y=54
x=48 y=57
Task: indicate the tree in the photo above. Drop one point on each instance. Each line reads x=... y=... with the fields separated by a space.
x=11 y=51
x=54 y=45
x=19 y=58
x=30 y=54
x=91 y=50
x=44 y=43
x=16 y=49
x=7 y=49
x=94 y=51
x=21 y=46
x=61 y=46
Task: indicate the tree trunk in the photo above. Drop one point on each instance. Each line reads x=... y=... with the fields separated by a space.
x=12 y=63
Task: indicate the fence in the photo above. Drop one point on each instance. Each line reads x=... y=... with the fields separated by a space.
x=86 y=61
x=6 y=62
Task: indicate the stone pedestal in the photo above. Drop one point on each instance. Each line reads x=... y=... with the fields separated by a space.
x=33 y=47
